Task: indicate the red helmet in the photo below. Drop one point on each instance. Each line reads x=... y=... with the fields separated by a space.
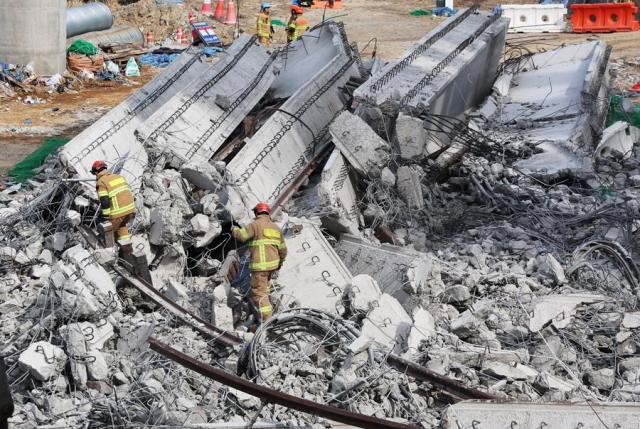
x=98 y=166
x=262 y=208
x=297 y=9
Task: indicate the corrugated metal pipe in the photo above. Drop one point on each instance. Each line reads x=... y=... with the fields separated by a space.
x=114 y=35
x=90 y=17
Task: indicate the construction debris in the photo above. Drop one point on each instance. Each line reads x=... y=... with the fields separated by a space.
x=456 y=230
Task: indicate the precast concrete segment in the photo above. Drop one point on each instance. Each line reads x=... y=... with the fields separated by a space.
x=313 y=275
x=198 y=120
x=112 y=137
x=387 y=264
x=336 y=190
x=289 y=140
x=500 y=415
x=303 y=58
x=396 y=83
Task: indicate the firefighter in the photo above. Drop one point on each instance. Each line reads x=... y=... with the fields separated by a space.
x=116 y=203
x=264 y=27
x=268 y=251
x=297 y=24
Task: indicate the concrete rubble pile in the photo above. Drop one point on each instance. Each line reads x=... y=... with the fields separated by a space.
x=418 y=224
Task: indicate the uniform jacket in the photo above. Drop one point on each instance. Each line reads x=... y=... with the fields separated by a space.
x=114 y=194
x=266 y=243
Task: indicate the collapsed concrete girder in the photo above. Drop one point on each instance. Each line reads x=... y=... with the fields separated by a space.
x=556 y=103
x=195 y=122
x=293 y=136
x=111 y=138
x=449 y=70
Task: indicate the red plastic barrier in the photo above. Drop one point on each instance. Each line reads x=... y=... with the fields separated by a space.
x=604 y=17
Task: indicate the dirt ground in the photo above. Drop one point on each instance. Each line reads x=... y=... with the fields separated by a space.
x=385 y=24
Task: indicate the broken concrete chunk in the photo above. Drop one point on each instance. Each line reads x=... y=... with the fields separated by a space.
x=559 y=309
x=456 y=294
x=409 y=186
x=423 y=327
x=199 y=224
x=367 y=152
x=73 y=217
x=631 y=320
x=364 y=293
x=388 y=325
x=387 y=177
x=43 y=360
x=166 y=224
x=201 y=175
x=222 y=315
x=412 y=137
x=602 y=379
x=555 y=268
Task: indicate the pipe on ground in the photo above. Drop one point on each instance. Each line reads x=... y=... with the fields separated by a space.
x=90 y=17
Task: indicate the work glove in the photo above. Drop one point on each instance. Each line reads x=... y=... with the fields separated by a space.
x=273 y=30
x=274 y=274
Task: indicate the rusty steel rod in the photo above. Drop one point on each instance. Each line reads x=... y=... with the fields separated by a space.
x=270 y=395
x=447 y=384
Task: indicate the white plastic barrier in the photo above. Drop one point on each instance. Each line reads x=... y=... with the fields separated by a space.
x=535 y=18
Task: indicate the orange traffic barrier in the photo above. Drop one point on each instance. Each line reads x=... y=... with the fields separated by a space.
x=321 y=4
x=604 y=17
x=149 y=38
x=231 y=13
x=219 y=13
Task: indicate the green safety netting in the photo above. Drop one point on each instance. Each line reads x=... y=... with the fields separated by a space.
x=278 y=23
x=617 y=113
x=82 y=47
x=421 y=12
x=24 y=169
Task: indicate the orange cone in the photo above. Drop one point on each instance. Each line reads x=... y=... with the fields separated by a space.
x=184 y=40
x=231 y=13
x=206 y=7
x=192 y=19
x=219 y=13
x=179 y=35
x=149 y=38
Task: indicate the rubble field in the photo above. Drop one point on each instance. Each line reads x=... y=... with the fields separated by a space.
x=461 y=225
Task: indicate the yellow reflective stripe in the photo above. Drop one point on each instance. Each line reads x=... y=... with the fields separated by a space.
x=264 y=241
x=281 y=245
x=106 y=211
x=120 y=210
x=266 y=309
x=263 y=253
x=114 y=192
x=116 y=182
x=264 y=266
x=244 y=234
x=271 y=233
x=103 y=194
x=124 y=237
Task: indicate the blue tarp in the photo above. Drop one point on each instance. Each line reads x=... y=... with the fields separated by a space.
x=443 y=11
x=157 y=60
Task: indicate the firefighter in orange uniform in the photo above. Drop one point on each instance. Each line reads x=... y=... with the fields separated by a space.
x=116 y=203
x=297 y=24
x=268 y=252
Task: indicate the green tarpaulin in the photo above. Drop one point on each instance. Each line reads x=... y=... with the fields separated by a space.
x=617 y=113
x=278 y=23
x=24 y=169
x=82 y=47
x=421 y=12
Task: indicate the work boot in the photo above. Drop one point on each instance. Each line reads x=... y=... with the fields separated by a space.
x=126 y=253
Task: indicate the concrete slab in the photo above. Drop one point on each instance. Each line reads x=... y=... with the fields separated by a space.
x=112 y=139
x=393 y=267
x=490 y=415
x=312 y=275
